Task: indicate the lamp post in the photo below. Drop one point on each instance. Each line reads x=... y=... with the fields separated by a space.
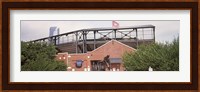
x=87 y=63
x=68 y=59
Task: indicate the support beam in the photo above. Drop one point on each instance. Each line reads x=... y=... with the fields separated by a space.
x=115 y=34
x=94 y=39
x=58 y=36
x=76 y=42
x=136 y=38
x=83 y=42
x=54 y=40
x=79 y=46
x=86 y=42
x=154 y=36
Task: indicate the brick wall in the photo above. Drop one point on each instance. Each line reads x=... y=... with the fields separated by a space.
x=113 y=48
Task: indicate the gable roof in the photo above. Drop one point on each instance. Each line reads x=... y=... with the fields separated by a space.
x=110 y=42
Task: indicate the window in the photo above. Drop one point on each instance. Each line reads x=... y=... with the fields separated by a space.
x=79 y=63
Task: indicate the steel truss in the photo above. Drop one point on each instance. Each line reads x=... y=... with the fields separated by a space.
x=84 y=37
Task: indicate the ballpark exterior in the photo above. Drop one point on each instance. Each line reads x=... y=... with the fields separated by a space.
x=99 y=49
x=113 y=48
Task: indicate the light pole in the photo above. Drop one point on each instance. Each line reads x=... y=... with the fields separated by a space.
x=87 y=63
x=68 y=59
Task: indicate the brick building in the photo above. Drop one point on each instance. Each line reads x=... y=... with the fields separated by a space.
x=93 y=49
x=92 y=61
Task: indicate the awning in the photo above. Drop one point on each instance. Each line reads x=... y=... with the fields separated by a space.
x=115 y=60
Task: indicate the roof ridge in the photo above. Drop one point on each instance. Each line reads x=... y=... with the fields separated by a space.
x=123 y=44
x=111 y=41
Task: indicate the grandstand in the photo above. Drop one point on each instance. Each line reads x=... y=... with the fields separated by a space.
x=85 y=40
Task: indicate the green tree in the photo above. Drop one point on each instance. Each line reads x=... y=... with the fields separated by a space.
x=40 y=57
x=159 y=56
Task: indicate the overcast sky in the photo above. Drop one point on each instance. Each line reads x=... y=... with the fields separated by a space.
x=32 y=30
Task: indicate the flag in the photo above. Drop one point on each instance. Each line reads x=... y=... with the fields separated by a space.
x=115 y=24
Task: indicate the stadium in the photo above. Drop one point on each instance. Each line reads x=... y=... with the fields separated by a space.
x=98 y=49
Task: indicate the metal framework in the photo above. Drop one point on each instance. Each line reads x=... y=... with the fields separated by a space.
x=81 y=41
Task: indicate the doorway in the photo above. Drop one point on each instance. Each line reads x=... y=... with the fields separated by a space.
x=97 y=65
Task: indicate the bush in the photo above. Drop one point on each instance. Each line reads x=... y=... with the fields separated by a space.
x=40 y=57
x=159 y=56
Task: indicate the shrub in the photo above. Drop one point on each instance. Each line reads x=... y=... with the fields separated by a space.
x=159 y=56
x=40 y=57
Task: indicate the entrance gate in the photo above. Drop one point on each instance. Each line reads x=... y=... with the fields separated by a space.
x=97 y=65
